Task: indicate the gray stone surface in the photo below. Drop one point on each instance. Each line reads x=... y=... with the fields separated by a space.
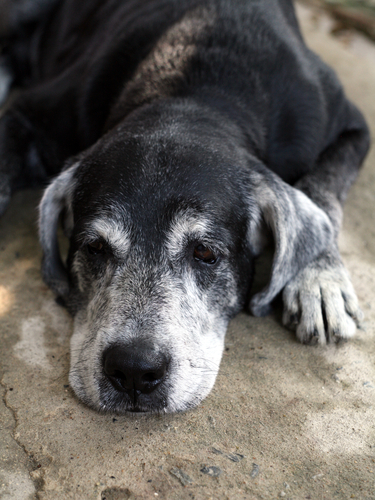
x=301 y=418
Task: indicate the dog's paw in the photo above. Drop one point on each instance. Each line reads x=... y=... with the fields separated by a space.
x=321 y=305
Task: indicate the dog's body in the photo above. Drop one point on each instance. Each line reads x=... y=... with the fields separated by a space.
x=189 y=130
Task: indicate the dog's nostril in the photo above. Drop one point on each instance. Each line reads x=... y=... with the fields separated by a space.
x=117 y=374
x=134 y=370
x=150 y=377
x=156 y=376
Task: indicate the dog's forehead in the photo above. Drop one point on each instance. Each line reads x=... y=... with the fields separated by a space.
x=156 y=189
x=135 y=176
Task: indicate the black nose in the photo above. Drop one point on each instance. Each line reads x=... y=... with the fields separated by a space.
x=135 y=370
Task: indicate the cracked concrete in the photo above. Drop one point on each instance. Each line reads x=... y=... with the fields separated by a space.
x=284 y=420
x=15 y=481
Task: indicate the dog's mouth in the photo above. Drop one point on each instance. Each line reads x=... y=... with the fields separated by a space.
x=119 y=402
x=137 y=401
x=137 y=410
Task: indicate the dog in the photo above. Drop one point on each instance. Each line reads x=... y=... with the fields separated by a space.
x=181 y=137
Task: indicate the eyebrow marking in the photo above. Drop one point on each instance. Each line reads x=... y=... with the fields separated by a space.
x=191 y=225
x=186 y=224
x=111 y=231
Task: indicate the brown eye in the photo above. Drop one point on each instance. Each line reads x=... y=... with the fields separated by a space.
x=95 y=248
x=204 y=254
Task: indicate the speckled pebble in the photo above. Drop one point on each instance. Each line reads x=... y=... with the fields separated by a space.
x=212 y=471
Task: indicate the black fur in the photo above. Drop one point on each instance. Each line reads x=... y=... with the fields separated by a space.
x=251 y=66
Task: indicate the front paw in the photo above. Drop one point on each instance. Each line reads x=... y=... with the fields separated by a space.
x=321 y=305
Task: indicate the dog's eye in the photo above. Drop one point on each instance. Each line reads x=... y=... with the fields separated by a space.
x=204 y=254
x=95 y=248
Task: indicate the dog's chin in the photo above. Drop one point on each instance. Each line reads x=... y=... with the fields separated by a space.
x=157 y=404
x=106 y=399
x=119 y=402
x=125 y=407
x=132 y=410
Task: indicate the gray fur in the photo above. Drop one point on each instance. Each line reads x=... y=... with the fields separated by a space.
x=300 y=229
x=56 y=198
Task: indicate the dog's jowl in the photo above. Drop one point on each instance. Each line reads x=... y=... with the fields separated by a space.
x=179 y=137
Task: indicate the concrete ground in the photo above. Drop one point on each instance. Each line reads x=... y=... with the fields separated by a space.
x=284 y=420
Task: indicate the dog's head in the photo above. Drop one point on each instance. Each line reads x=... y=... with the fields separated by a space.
x=165 y=216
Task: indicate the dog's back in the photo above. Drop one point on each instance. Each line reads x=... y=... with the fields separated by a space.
x=98 y=61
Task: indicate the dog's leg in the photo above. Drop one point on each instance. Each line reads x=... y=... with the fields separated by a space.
x=320 y=302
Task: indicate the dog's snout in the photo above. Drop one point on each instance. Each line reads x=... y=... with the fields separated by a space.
x=135 y=370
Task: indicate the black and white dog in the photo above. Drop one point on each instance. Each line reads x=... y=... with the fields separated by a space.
x=184 y=134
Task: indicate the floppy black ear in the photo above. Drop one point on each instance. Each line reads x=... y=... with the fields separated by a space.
x=301 y=232
x=56 y=198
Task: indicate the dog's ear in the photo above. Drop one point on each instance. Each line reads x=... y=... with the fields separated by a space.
x=301 y=231
x=56 y=199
